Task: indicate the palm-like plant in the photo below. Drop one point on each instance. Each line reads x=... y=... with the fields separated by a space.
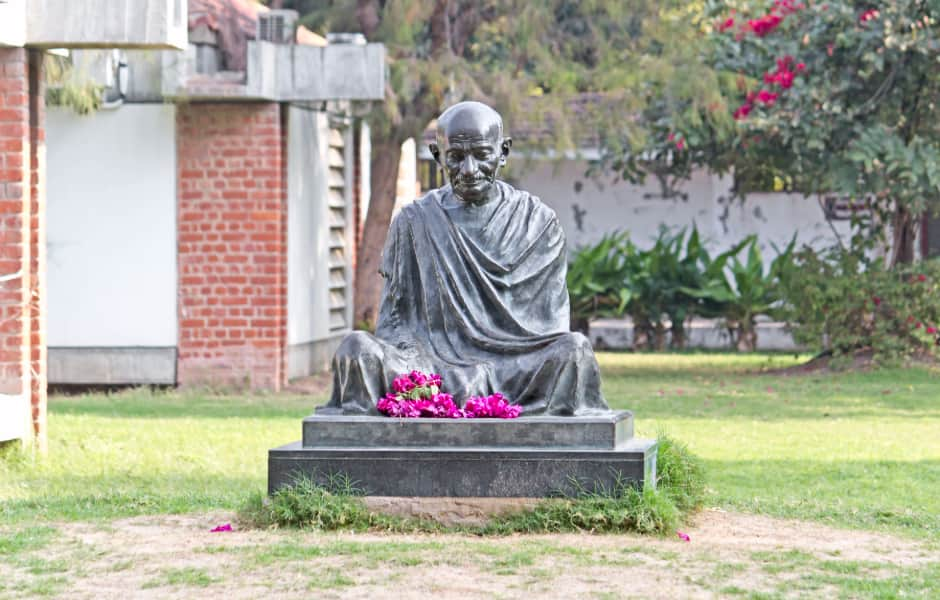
x=597 y=280
x=742 y=290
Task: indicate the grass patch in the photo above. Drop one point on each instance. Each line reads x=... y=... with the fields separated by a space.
x=186 y=576
x=329 y=579
x=42 y=586
x=851 y=449
x=307 y=505
x=921 y=582
x=25 y=540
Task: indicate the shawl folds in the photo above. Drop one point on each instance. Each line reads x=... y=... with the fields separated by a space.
x=477 y=294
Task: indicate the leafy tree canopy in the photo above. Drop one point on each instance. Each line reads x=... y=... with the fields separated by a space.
x=831 y=96
x=530 y=60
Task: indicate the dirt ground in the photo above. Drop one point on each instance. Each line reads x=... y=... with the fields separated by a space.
x=728 y=554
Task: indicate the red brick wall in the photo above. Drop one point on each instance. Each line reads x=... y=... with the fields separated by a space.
x=37 y=244
x=22 y=232
x=232 y=215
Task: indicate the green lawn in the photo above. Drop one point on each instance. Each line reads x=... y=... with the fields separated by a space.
x=857 y=450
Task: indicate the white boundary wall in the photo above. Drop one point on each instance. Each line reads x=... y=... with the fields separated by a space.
x=111 y=189
x=588 y=210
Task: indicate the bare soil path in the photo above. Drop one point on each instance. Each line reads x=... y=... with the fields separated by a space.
x=729 y=555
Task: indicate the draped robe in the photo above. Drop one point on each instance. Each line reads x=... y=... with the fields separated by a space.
x=476 y=293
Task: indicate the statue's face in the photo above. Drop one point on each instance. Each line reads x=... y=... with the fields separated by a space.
x=472 y=161
x=471 y=152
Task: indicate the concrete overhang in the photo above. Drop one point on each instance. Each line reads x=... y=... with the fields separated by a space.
x=158 y=24
x=288 y=73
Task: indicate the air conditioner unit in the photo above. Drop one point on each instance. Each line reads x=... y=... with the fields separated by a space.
x=277 y=26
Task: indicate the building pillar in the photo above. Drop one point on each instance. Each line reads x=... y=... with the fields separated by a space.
x=22 y=238
x=232 y=244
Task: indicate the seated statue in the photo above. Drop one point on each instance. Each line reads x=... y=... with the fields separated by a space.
x=474 y=290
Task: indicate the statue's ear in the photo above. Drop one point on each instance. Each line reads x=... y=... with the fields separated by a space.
x=435 y=152
x=504 y=149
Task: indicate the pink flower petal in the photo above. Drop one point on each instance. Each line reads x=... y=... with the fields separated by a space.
x=220 y=528
x=683 y=536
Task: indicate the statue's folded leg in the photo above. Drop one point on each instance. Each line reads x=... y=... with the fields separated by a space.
x=361 y=368
x=566 y=380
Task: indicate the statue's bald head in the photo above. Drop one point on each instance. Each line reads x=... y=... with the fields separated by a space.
x=469 y=118
x=471 y=149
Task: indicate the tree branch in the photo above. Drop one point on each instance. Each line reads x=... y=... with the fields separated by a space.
x=440 y=28
x=367 y=13
x=465 y=18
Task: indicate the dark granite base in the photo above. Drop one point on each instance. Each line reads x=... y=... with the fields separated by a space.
x=475 y=472
x=525 y=458
x=601 y=432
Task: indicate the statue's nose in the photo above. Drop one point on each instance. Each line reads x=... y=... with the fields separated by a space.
x=469 y=165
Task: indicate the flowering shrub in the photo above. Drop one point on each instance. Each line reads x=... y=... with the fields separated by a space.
x=835 y=97
x=840 y=304
x=419 y=395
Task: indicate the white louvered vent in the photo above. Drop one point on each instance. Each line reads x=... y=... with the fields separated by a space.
x=277 y=26
x=339 y=253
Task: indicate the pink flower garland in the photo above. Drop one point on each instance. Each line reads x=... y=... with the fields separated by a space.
x=419 y=395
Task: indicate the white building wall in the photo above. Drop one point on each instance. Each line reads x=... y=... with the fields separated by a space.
x=111 y=189
x=307 y=237
x=588 y=209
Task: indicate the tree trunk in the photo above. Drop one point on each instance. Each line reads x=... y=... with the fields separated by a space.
x=677 y=329
x=659 y=337
x=747 y=336
x=904 y=230
x=386 y=155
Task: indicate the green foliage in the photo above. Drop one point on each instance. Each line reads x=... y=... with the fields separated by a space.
x=624 y=508
x=680 y=489
x=856 y=112
x=839 y=302
x=597 y=277
x=662 y=280
x=65 y=88
x=680 y=474
x=745 y=290
x=310 y=506
x=671 y=281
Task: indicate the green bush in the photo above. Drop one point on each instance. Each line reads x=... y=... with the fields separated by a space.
x=743 y=290
x=841 y=303
x=670 y=282
x=597 y=280
x=680 y=474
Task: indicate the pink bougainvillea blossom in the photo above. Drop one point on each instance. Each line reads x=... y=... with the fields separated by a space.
x=767 y=97
x=418 y=395
x=221 y=528
x=494 y=406
x=764 y=25
x=683 y=536
x=726 y=25
x=743 y=111
x=680 y=145
x=868 y=15
x=403 y=384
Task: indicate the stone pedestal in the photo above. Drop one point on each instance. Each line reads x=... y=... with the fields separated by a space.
x=529 y=457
